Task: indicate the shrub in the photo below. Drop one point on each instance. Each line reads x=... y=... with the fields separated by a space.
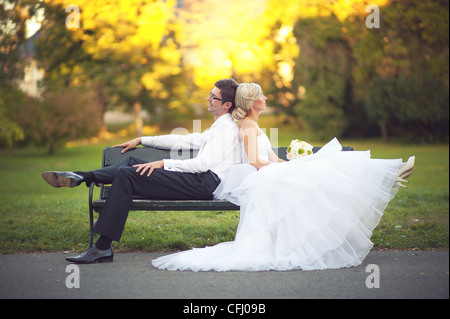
x=59 y=117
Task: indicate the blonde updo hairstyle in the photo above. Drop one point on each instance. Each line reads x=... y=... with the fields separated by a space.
x=246 y=95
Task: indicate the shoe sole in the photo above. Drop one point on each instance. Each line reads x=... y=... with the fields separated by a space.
x=108 y=259
x=57 y=180
x=407 y=173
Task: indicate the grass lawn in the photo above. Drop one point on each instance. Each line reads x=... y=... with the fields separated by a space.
x=36 y=217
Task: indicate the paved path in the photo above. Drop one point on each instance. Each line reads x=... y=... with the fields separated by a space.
x=402 y=274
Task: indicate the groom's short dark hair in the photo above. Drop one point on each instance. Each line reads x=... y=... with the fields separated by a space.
x=228 y=89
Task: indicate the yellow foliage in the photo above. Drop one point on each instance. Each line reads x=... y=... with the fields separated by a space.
x=130 y=31
x=151 y=82
x=150 y=130
x=218 y=38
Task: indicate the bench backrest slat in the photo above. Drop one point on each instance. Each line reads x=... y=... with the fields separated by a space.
x=113 y=155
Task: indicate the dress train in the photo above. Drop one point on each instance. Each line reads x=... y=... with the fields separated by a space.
x=315 y=212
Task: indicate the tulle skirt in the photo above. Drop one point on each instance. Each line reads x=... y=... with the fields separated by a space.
x=315 y=212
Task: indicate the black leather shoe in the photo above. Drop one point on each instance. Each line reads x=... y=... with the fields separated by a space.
x=93 y=255
x=62 y=179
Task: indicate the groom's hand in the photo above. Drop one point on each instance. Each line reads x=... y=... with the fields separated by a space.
x=129 y=145
x=148 y=167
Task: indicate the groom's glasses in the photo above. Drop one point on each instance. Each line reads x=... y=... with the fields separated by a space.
x=211 y=95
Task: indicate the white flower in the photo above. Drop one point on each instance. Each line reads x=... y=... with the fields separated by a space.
x=298 y=149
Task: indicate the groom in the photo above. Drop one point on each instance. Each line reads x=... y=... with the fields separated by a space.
x=195 y=178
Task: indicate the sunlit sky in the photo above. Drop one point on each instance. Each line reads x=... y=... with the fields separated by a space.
x=34 y=23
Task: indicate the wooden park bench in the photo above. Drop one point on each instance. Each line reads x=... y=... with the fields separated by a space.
x=112 y=155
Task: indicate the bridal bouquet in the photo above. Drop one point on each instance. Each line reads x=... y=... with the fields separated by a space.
x=298 y=149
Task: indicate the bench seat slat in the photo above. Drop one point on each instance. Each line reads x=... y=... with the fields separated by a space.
x=174 y=205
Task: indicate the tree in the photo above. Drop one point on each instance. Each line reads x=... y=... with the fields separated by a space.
x=324 y=71
x=62 y=115
x=412 y=106
x=401 y=69
x=10 y=132
x=13 y=17
x=318 y=61
x=126 y=51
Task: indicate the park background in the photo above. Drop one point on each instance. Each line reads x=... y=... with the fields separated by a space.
x=77 y=76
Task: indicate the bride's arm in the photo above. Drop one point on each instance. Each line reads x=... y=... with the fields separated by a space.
x=274 y=158
x=249 y=134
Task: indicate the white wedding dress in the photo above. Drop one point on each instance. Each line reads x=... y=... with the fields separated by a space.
x=315 y=212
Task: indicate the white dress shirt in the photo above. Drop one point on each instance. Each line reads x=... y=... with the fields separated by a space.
x=219 y=148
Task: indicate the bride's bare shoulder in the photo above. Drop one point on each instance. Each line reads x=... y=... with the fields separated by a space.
x=247 y=127
x=248 y=124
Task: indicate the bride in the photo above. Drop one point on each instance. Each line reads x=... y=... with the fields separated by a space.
x=314 y=212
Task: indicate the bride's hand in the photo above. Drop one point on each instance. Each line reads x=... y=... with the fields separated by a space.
x=260 y=164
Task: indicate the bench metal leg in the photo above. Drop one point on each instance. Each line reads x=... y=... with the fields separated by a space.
x=91 y=216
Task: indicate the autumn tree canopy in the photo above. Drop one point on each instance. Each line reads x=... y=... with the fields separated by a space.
x=329 y=66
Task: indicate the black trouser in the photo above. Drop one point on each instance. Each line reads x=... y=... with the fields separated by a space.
x=161 y=184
